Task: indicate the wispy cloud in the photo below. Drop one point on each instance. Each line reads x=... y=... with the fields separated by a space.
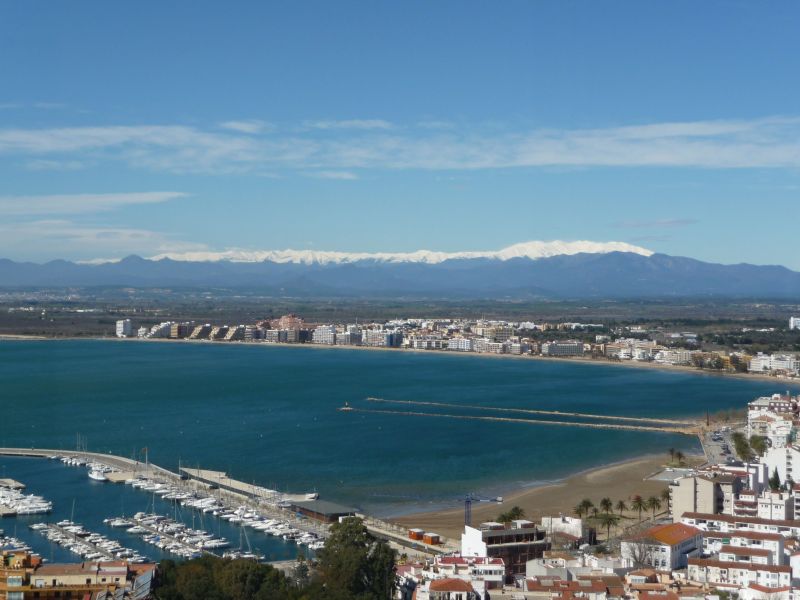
x=251 y=126
x=374 y=144
x=350 y=124
x=43 y=164
x=64 y=204
x=656 y=223
x=55 y=237
x=334 y=175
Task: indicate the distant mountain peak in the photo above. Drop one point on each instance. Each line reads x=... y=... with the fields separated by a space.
x=531 y=250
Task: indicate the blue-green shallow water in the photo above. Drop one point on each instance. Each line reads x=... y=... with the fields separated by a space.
x=88 y=502
x=268 y=414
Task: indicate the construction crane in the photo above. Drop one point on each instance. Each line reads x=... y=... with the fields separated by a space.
x=475 y=498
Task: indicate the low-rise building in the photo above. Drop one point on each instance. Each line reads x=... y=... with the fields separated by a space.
x=665 y=547
x=738 y=574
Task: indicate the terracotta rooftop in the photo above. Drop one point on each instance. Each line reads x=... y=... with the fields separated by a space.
x=670 y=534
x=744 y=551
x=450 y=585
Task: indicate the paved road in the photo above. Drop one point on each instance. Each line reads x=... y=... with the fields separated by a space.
x=719 y=451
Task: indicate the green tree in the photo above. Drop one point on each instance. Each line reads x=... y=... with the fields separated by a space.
x=653 y=503
x=355 y=565
x=587 y=505
x=679 y=456
x=758 y=444
x=606 y=504
x=638 y=504
x=671 y=455
x=608 y=521
x=621 y=506
x=665 y=496
x=775 y=480
x=515 y=513
x=579 y=510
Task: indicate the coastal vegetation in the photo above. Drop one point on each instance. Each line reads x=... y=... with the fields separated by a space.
x=353 y=566
x=603 y=516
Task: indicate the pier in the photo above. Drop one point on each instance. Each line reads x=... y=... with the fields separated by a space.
x=557 y=413
x=233 y=491
x=685 y=429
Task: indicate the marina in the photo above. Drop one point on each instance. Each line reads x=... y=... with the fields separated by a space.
x=86 y=544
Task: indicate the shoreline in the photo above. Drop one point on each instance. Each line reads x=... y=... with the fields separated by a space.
x=559 y=359
x=618 y=481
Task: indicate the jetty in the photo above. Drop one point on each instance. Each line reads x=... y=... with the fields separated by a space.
x=612 y=422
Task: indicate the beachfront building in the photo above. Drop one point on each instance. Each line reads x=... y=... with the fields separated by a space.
x=124 y=328
x=703 y=493
x=786 y=460
x=665 y=547
x=565 y=348
x=324 y=334
x=460 y=344
x=515 y=544
x=770 y=363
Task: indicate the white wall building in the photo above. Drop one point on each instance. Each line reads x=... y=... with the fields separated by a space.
x=664 y=547
x=124 y=328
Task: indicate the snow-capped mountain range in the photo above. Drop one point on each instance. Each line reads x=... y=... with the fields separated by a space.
x=532 y=250
x=557 y=269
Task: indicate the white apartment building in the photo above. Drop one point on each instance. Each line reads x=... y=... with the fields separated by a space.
x=794 y=322
x=324 y=334
x=664 y=547
x=731 y=524
x=738 y=574
x=124 y=328
x=567 y=348
x=673 y=357
x=785 y=459
x=773 y=543
x=459 y=344
x=774 y=362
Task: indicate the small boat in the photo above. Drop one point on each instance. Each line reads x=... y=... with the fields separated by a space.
x=97 y=475
x=345 y=408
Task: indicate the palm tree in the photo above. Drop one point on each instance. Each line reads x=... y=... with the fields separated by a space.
x=587 y=505
x=608 y=521
x=654 y=504
x=504 y=518
x=672 y=455
x=621 y=506
x=679 y=457
x=579 y=510
x=607 y=505
x=515 y=512
x=595 y=512
x=665 y=496
x=638 y=504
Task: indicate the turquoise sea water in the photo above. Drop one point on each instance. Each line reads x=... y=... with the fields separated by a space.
x=268 y=414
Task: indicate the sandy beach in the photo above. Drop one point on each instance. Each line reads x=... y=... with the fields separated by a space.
x=482 y=355
x=619 y=482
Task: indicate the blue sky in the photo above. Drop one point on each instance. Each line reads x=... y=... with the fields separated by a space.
x=156 y=128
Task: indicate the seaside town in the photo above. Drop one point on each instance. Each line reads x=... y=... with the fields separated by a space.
x=724 y=526
x=632 y=343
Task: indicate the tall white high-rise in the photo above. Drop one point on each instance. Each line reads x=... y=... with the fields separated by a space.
x=124 y=328
x=794 y=322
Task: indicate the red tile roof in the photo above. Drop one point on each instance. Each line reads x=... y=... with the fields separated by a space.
x=670 y=534
x=450 y=585
x=744 y=551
